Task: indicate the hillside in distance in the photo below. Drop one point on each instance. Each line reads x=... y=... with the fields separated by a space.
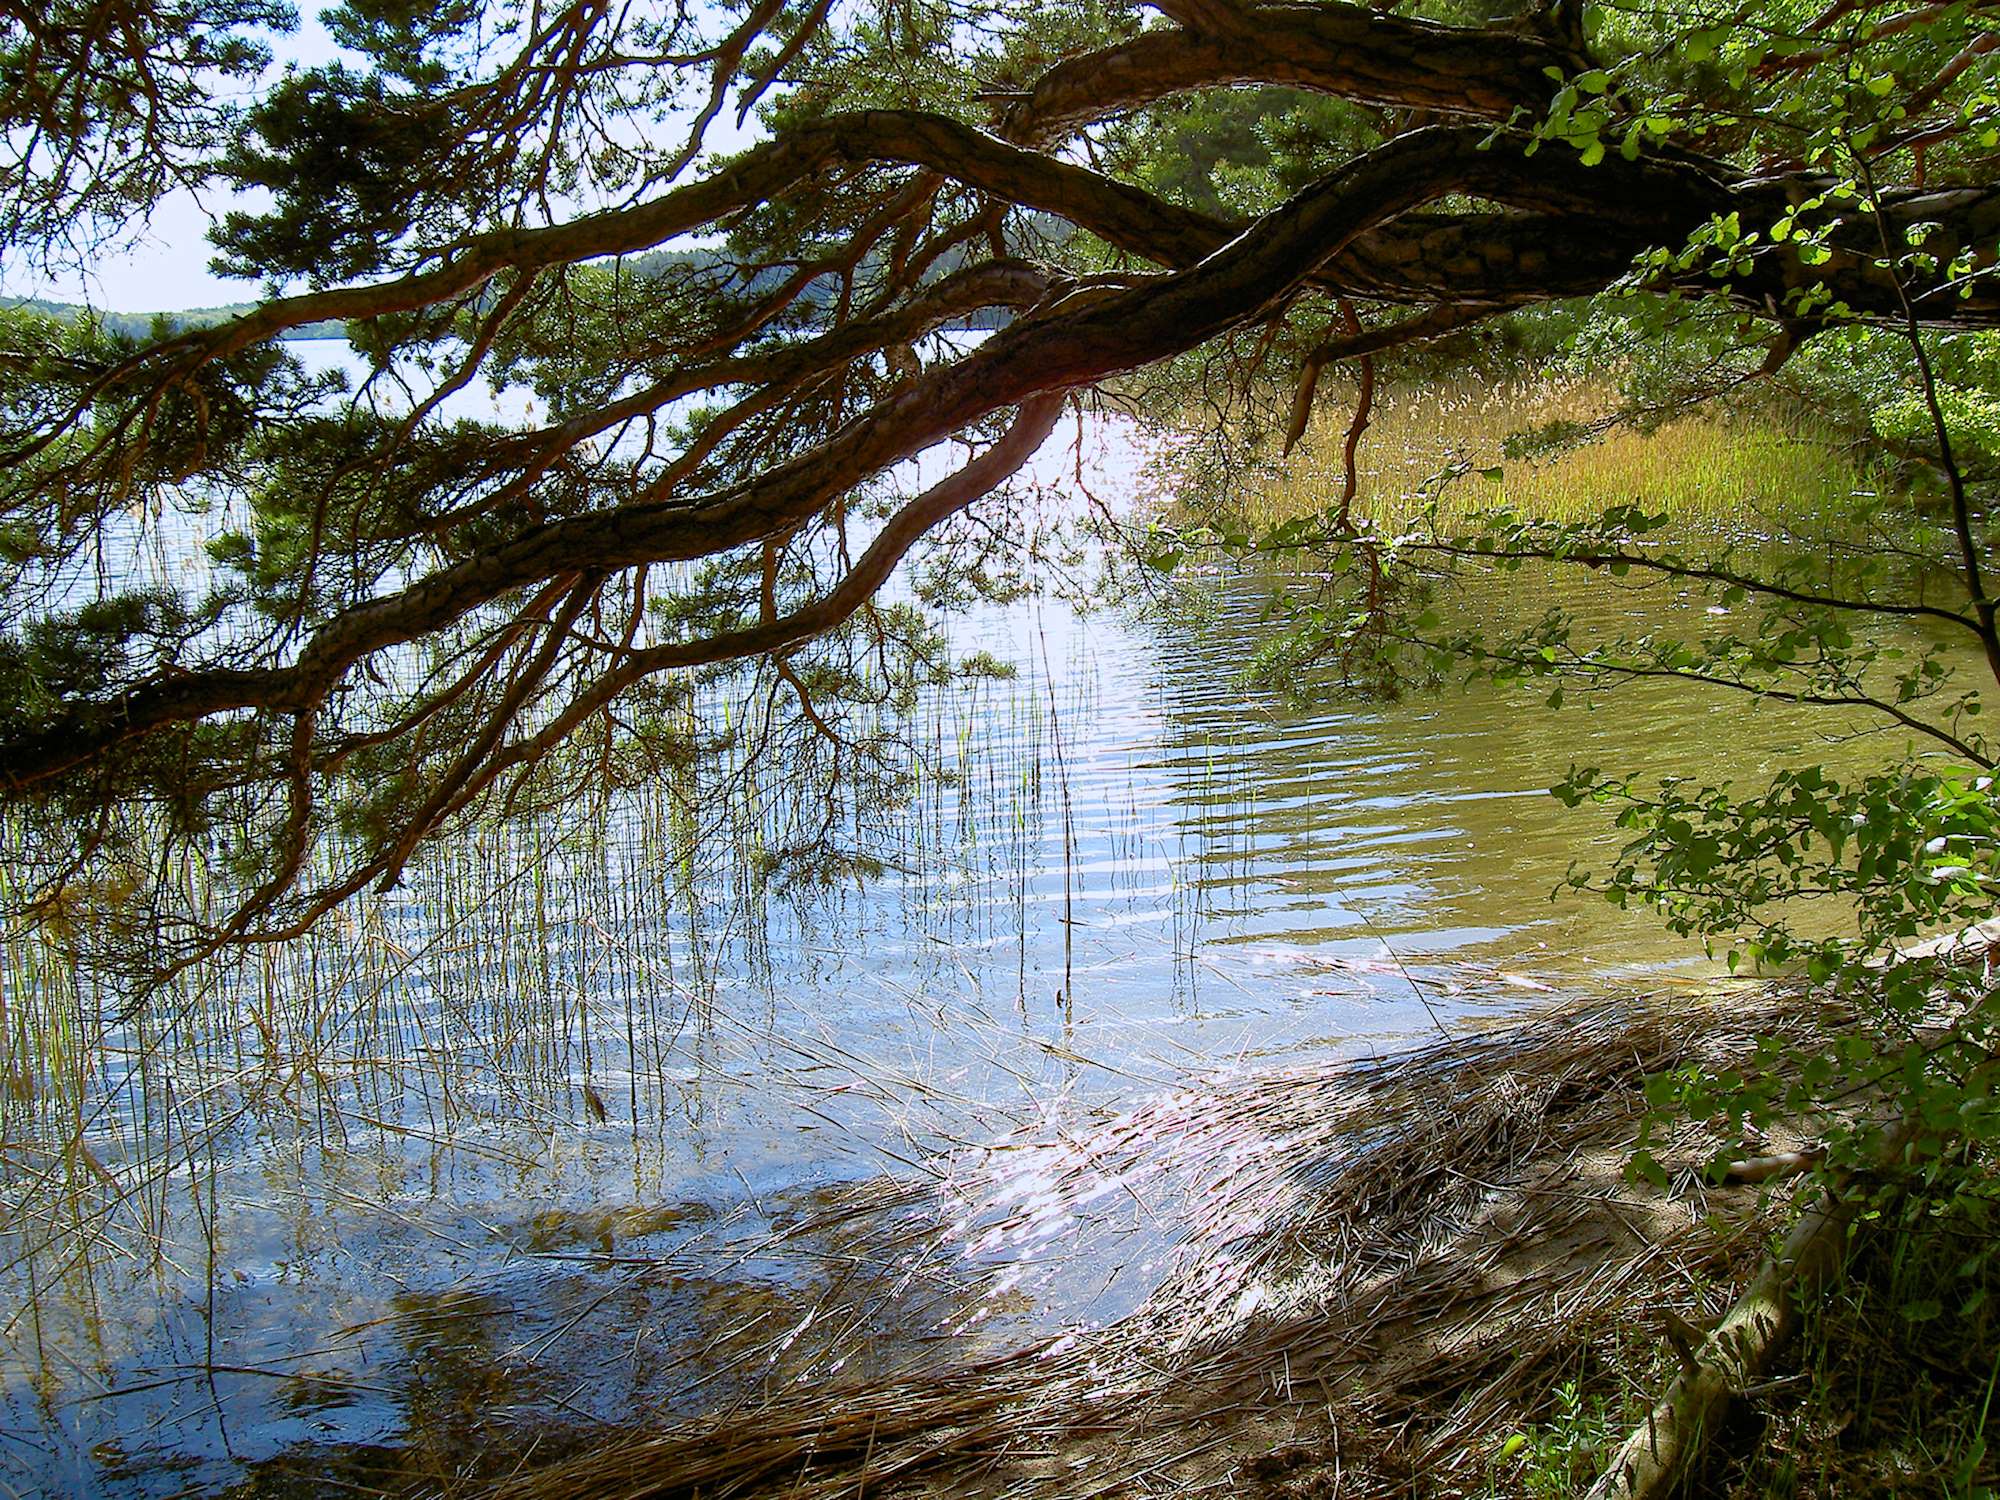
x=140 y=325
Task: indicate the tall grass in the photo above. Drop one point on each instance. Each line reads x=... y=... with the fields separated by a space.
x=1707 y=471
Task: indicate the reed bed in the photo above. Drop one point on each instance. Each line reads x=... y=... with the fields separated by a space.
x=1378 y=1271
x=1708 y=471
x=538 y=985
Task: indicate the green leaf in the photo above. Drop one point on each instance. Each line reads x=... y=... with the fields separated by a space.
x=1645 y=1167
x=1701 y=45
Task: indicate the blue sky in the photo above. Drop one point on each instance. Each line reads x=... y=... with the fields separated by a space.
x=163 y=270
x=162 y=266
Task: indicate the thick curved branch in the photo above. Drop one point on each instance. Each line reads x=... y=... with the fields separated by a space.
x=1604 y=216
x=1358 y=53
x=1083 y=340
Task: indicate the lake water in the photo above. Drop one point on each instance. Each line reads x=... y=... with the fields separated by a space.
x=586 y=1124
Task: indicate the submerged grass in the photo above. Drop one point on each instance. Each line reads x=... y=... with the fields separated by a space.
x=1421 y=1276
x=515 y=1063
x=1707 y=471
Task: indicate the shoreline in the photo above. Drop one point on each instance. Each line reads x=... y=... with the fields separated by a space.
x=1411 y=1302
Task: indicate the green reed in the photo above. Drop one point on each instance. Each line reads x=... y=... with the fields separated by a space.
x=1708 y=471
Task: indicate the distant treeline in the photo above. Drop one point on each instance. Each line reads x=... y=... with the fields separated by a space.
x=652 y=263
x=140 y=325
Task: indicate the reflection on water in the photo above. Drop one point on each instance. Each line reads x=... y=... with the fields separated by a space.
x=582 y=1126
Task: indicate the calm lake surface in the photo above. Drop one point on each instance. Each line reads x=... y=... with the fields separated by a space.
x=584 y=1126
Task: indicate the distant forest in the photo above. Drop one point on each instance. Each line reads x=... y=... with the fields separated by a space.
x=141 y=325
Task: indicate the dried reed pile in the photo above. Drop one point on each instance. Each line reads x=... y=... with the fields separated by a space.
x=1377 y=1270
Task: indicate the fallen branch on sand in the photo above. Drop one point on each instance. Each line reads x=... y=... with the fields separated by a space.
x=1660 y=1452
x=1666 y=1444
